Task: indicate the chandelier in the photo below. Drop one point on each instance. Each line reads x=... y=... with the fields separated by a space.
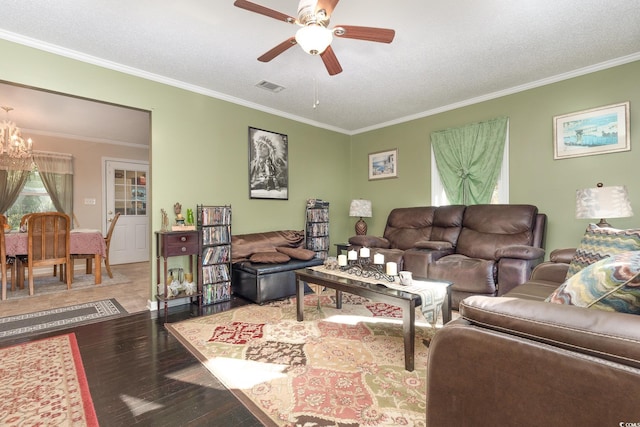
x=12 y=144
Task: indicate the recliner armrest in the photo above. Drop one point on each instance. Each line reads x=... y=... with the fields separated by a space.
x=562 y=255
x=525 y=252
x=608 y=335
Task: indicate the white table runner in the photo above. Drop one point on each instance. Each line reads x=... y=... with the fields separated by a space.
x=432 y=293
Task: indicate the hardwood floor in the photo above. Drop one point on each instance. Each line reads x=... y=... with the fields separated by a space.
x=139 y=374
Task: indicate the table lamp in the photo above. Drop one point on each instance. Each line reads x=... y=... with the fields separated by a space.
x=603 y=202
x=360 y=208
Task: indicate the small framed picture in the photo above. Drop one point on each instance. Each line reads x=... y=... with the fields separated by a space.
x=596 y=131
x=268 y=165
x=383 y=164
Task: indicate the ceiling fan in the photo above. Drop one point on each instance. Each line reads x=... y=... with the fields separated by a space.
x=314 y=35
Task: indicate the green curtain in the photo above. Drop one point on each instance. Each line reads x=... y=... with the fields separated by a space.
x=56 y=172
x=469 y=159
x=13 y=176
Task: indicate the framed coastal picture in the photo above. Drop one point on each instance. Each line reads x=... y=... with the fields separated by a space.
x=268 y=165
x=383 y=164
x=596 y=131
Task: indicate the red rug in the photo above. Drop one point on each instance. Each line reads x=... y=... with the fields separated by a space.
x=42 y=383
x=337 y=368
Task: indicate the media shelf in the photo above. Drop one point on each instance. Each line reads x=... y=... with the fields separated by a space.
x=214 y=239
x=317 y=227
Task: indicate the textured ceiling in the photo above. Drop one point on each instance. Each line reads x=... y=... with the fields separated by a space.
x=445 y=53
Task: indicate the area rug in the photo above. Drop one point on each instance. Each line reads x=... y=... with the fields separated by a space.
x=59 y=318
x=337 y=368
x=42 y=383
x=46 y=285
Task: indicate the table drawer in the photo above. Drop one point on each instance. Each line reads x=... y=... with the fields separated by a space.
x=183 y=243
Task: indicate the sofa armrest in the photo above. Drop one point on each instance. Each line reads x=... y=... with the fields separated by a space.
x=525 y=252
x=554 y=272
x=370 y=241
x=562 y=255
x=597 y=333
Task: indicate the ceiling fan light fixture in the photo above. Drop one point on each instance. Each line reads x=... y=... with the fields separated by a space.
x=314 y=38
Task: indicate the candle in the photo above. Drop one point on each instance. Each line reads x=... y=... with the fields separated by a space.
x=342 y=260
x=352 y=255
x=378 y=259
x=364 y=252
x=392 y=269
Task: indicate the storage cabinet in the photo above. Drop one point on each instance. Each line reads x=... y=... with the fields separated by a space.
x=172 y=244
x=214 y=239
x=317 y=227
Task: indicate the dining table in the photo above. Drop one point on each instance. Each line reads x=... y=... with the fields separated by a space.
x=81 y=241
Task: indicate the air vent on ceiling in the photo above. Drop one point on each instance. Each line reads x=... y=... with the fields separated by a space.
x=271 y=87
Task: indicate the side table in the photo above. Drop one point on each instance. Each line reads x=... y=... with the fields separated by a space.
x=171 y=244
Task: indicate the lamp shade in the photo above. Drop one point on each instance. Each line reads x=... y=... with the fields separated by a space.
x=603 y=202
x=360 y=208
x=314 y=38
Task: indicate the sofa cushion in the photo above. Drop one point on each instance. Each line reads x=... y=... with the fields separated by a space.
x=601 y=242
x=472 y=275
x=611 y=284
x=269 y=257
x=296 y=253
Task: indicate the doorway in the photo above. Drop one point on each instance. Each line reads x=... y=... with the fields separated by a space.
x=125 y=184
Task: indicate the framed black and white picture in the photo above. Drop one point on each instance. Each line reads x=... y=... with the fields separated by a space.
x=268 y=165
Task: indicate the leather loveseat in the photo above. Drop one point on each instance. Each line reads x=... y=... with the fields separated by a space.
x=481 y=249
x=519 y=361
x=264 y=263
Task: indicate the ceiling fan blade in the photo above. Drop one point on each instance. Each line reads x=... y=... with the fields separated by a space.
x=372 y=34
x=268 y=56
x=327 y=5
x=331 y=61
x=252 y=7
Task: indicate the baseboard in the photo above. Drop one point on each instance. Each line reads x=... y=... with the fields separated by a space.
x=153 y=305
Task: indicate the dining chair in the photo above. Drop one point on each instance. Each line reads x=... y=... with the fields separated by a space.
x=48 y=245
x=23 y=227
x=7 y=262
x=90 y=257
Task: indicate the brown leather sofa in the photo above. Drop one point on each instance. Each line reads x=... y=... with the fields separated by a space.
x=517 y=360
x=481 y=249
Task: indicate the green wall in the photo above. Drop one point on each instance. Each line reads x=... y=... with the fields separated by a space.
x=535 y=177
x=199 y=148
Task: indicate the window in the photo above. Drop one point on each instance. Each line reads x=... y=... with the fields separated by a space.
x=500 y=193
x=32 y=198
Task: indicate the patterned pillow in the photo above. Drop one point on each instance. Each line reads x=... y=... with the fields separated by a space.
x=598 y=243
x=611 y=284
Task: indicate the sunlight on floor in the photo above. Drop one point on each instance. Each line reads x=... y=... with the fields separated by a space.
x=139 y=406
x=244 y=374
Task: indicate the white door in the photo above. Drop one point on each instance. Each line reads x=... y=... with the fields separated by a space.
x=126 y=192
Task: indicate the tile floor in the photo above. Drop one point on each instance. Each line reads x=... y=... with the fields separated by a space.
x=133 y=296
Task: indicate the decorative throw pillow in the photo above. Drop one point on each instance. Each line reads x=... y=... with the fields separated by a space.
x=269 y=257
x=598 y=243
x=611 y=284
x=297 y=253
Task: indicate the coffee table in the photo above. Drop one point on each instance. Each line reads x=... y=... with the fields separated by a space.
x=375 y=292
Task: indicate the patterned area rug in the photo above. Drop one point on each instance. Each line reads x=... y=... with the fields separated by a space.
x=42 y=383
x=337 y=368
x=59 y=318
